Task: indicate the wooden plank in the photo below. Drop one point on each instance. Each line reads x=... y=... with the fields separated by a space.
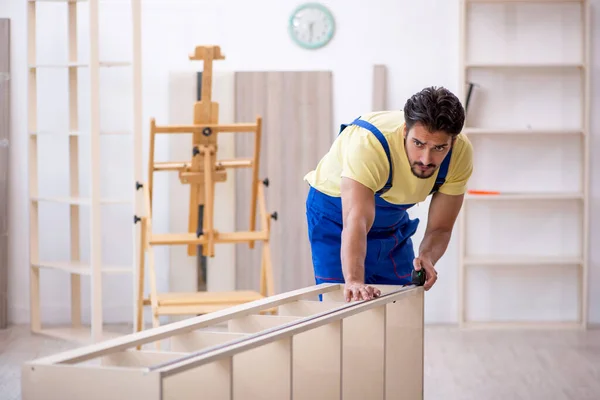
x=4 y=141
x=379 y=88
x=191 y=238
x=317 y=363
x=264 y=372
x=257 y=323
x=39 y=382
x=139 y=358
x=199 y=127
x=197 y=340
x=363 y=339
x=404 y=332
x=212 y=380
x=296 y=108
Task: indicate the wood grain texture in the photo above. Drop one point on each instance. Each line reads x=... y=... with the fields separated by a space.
x=296 y=107
x=379 y=87
x=4 y=141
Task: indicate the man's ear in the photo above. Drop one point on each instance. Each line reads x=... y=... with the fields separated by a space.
x=404 y=131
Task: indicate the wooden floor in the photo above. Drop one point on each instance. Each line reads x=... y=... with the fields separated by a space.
x=482 y=364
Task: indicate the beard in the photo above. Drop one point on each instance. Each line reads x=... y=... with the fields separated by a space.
x=416 y=169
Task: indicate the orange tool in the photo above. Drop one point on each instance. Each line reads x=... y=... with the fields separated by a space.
x=482 y=192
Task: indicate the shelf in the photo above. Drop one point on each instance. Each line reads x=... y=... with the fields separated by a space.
x=524 y=196
x=57 y=1
x=524 y=260
x=524 y=226
x=82 y=65
x=541 y=100
x=504 y=131
x=106 y=230
x=524 y=1
x=524 y=65
x=81 y=268
x=530 y=325
x=79 y=133
x=79 y=200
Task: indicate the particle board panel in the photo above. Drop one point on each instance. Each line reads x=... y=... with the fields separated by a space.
x=4 y=149
x=379 y=87
x=296 y=107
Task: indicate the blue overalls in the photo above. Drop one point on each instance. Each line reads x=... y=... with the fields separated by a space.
x=390 y=253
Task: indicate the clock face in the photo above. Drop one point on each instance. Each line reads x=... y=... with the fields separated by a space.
x=311 y=26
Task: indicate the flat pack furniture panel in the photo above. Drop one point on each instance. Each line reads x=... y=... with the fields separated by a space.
x=4 y=150
x=84 y=133
x=379 y=102
x=297 y=131
x=310 y=349
x=524 y=227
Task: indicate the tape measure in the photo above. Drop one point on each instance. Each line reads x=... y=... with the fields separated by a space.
x=418 y=277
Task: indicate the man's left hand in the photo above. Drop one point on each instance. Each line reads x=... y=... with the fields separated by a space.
x=430 y=272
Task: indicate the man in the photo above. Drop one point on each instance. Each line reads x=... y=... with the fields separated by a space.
x=379 y=166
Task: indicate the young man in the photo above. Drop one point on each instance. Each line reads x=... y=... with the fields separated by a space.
x=379 y=166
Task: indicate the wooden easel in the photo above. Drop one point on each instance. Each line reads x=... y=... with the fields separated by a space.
x=201 y=173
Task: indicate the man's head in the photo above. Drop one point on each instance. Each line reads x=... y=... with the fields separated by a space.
x=433 y=117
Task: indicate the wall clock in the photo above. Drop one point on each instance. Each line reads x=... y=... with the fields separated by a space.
x=311 y=26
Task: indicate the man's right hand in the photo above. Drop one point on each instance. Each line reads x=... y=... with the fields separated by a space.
x=360 y=291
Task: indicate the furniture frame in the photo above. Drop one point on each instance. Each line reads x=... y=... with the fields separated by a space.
x=74 y=266
x=513 y=63
x=311 y=349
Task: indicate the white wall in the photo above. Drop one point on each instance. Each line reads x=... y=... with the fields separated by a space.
x=254 y=39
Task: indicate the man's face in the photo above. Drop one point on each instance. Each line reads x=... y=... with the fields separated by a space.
x=425 y=150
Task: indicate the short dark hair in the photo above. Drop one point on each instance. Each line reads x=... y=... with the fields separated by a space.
x=437 y=109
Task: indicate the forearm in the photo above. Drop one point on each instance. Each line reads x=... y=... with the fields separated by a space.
x=434 y=244
x=354 y=248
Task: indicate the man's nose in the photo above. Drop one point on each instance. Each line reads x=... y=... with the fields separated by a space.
x=426 y=157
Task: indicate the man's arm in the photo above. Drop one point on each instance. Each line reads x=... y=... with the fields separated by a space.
x=358 y=208
x=443 y=212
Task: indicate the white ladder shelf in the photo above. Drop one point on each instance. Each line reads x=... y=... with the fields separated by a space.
x=523 y=257
x=76 y=134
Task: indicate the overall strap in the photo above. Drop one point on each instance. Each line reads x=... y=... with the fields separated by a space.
x=373 y=129
x=441 y=177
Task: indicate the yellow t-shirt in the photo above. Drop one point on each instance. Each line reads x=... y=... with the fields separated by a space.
x=356 y=153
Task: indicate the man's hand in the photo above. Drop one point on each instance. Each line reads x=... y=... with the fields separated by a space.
x=443 y=212
x=430 y=272
x=360 y=291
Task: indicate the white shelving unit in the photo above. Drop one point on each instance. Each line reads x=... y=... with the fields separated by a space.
x=524 y=227
x=84 y=132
